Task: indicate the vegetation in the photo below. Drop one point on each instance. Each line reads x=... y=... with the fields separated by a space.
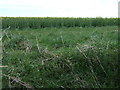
x=55 y=56
x=38 y=22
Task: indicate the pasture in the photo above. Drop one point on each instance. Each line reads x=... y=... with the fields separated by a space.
x=61 y=56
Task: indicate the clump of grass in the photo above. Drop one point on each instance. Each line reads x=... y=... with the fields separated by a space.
x=18 y=42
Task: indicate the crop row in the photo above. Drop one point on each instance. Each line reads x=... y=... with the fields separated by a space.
x=39 y=22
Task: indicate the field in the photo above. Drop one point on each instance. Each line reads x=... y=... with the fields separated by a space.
x=60 y=56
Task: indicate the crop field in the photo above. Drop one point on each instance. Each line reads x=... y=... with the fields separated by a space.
x=60 y=53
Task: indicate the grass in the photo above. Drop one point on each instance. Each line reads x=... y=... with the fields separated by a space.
x=61 y=57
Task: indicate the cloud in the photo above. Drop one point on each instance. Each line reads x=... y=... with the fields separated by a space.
x=64 y=8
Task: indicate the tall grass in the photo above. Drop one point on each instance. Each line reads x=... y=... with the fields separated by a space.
x=38 y=22
x=61 y=57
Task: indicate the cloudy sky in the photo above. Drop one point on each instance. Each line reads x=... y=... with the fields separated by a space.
x=59 y=8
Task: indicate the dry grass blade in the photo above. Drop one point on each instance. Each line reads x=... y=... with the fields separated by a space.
x=44 y=50
x=50 y=53
x=3 y=66
x=4 y=32
x=61 y=38
x=19 y=81
x=101 y=65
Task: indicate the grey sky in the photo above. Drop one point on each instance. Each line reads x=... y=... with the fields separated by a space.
x=59 y=8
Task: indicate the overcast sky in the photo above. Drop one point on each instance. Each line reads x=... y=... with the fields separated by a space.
x=59 y=8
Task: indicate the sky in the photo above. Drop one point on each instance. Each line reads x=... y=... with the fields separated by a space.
x=59 y=8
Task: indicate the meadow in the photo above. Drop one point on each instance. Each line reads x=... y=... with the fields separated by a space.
x=60 y=53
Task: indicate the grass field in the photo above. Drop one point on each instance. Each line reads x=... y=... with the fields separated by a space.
x=61 y=57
